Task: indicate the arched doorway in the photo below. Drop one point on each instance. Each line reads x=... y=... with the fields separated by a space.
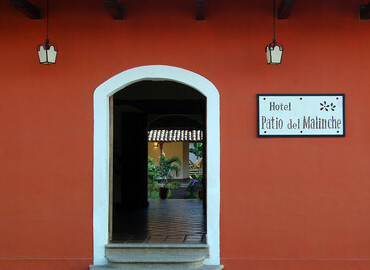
x=102 y=141
x=175 y=113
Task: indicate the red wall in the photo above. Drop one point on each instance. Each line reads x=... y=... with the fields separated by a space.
x=286 y=203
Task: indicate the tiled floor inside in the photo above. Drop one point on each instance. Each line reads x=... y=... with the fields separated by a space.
x=164 y=221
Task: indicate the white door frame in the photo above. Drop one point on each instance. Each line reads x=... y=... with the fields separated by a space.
x=101 y=150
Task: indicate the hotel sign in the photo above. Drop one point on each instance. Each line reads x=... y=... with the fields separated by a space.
x=300 y=115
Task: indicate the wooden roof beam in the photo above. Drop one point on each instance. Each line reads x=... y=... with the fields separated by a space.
x=285 y=9
x=114 y=8
x=200 y=10
x=365 y=11
x=27 y=8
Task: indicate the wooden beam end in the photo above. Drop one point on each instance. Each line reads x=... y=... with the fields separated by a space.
x=27 y=8
x=200 y=10
x=365 y=11
x=115 y=9
x=285 y=9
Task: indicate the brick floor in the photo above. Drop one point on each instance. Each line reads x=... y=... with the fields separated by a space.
x=164 y=221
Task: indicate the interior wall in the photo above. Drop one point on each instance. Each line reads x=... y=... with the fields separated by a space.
x=154 y=152
x=297 y=203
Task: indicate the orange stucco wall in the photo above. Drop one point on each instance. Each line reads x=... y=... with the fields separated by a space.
x=286 y=203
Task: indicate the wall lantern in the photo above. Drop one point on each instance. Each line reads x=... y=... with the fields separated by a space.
x=156 y=144
x=47 y=52
x=274 y=51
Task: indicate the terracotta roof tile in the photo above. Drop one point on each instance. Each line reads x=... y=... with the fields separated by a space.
x=175 y=135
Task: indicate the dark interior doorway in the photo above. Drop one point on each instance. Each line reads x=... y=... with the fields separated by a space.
x=136 y=109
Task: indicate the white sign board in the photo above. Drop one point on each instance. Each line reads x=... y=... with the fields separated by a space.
x=300 y=115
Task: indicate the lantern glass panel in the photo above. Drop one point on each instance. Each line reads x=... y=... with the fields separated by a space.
x=268 y=55
x=274 y=54
x=52 y=55
x=42 y=55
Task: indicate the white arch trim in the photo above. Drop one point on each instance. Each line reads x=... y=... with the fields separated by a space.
x=101 y=150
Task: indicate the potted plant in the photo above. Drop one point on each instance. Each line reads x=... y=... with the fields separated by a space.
x=167 y=170
x=195 y=187
x=152 y=176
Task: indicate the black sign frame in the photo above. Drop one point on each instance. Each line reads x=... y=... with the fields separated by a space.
x=303 y=135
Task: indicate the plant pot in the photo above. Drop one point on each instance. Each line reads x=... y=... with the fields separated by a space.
x=163 y=193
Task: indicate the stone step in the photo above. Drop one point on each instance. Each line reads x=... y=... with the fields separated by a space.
x=156 y=257
x=203 y=267
x=128 y=250
x=161 y=262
